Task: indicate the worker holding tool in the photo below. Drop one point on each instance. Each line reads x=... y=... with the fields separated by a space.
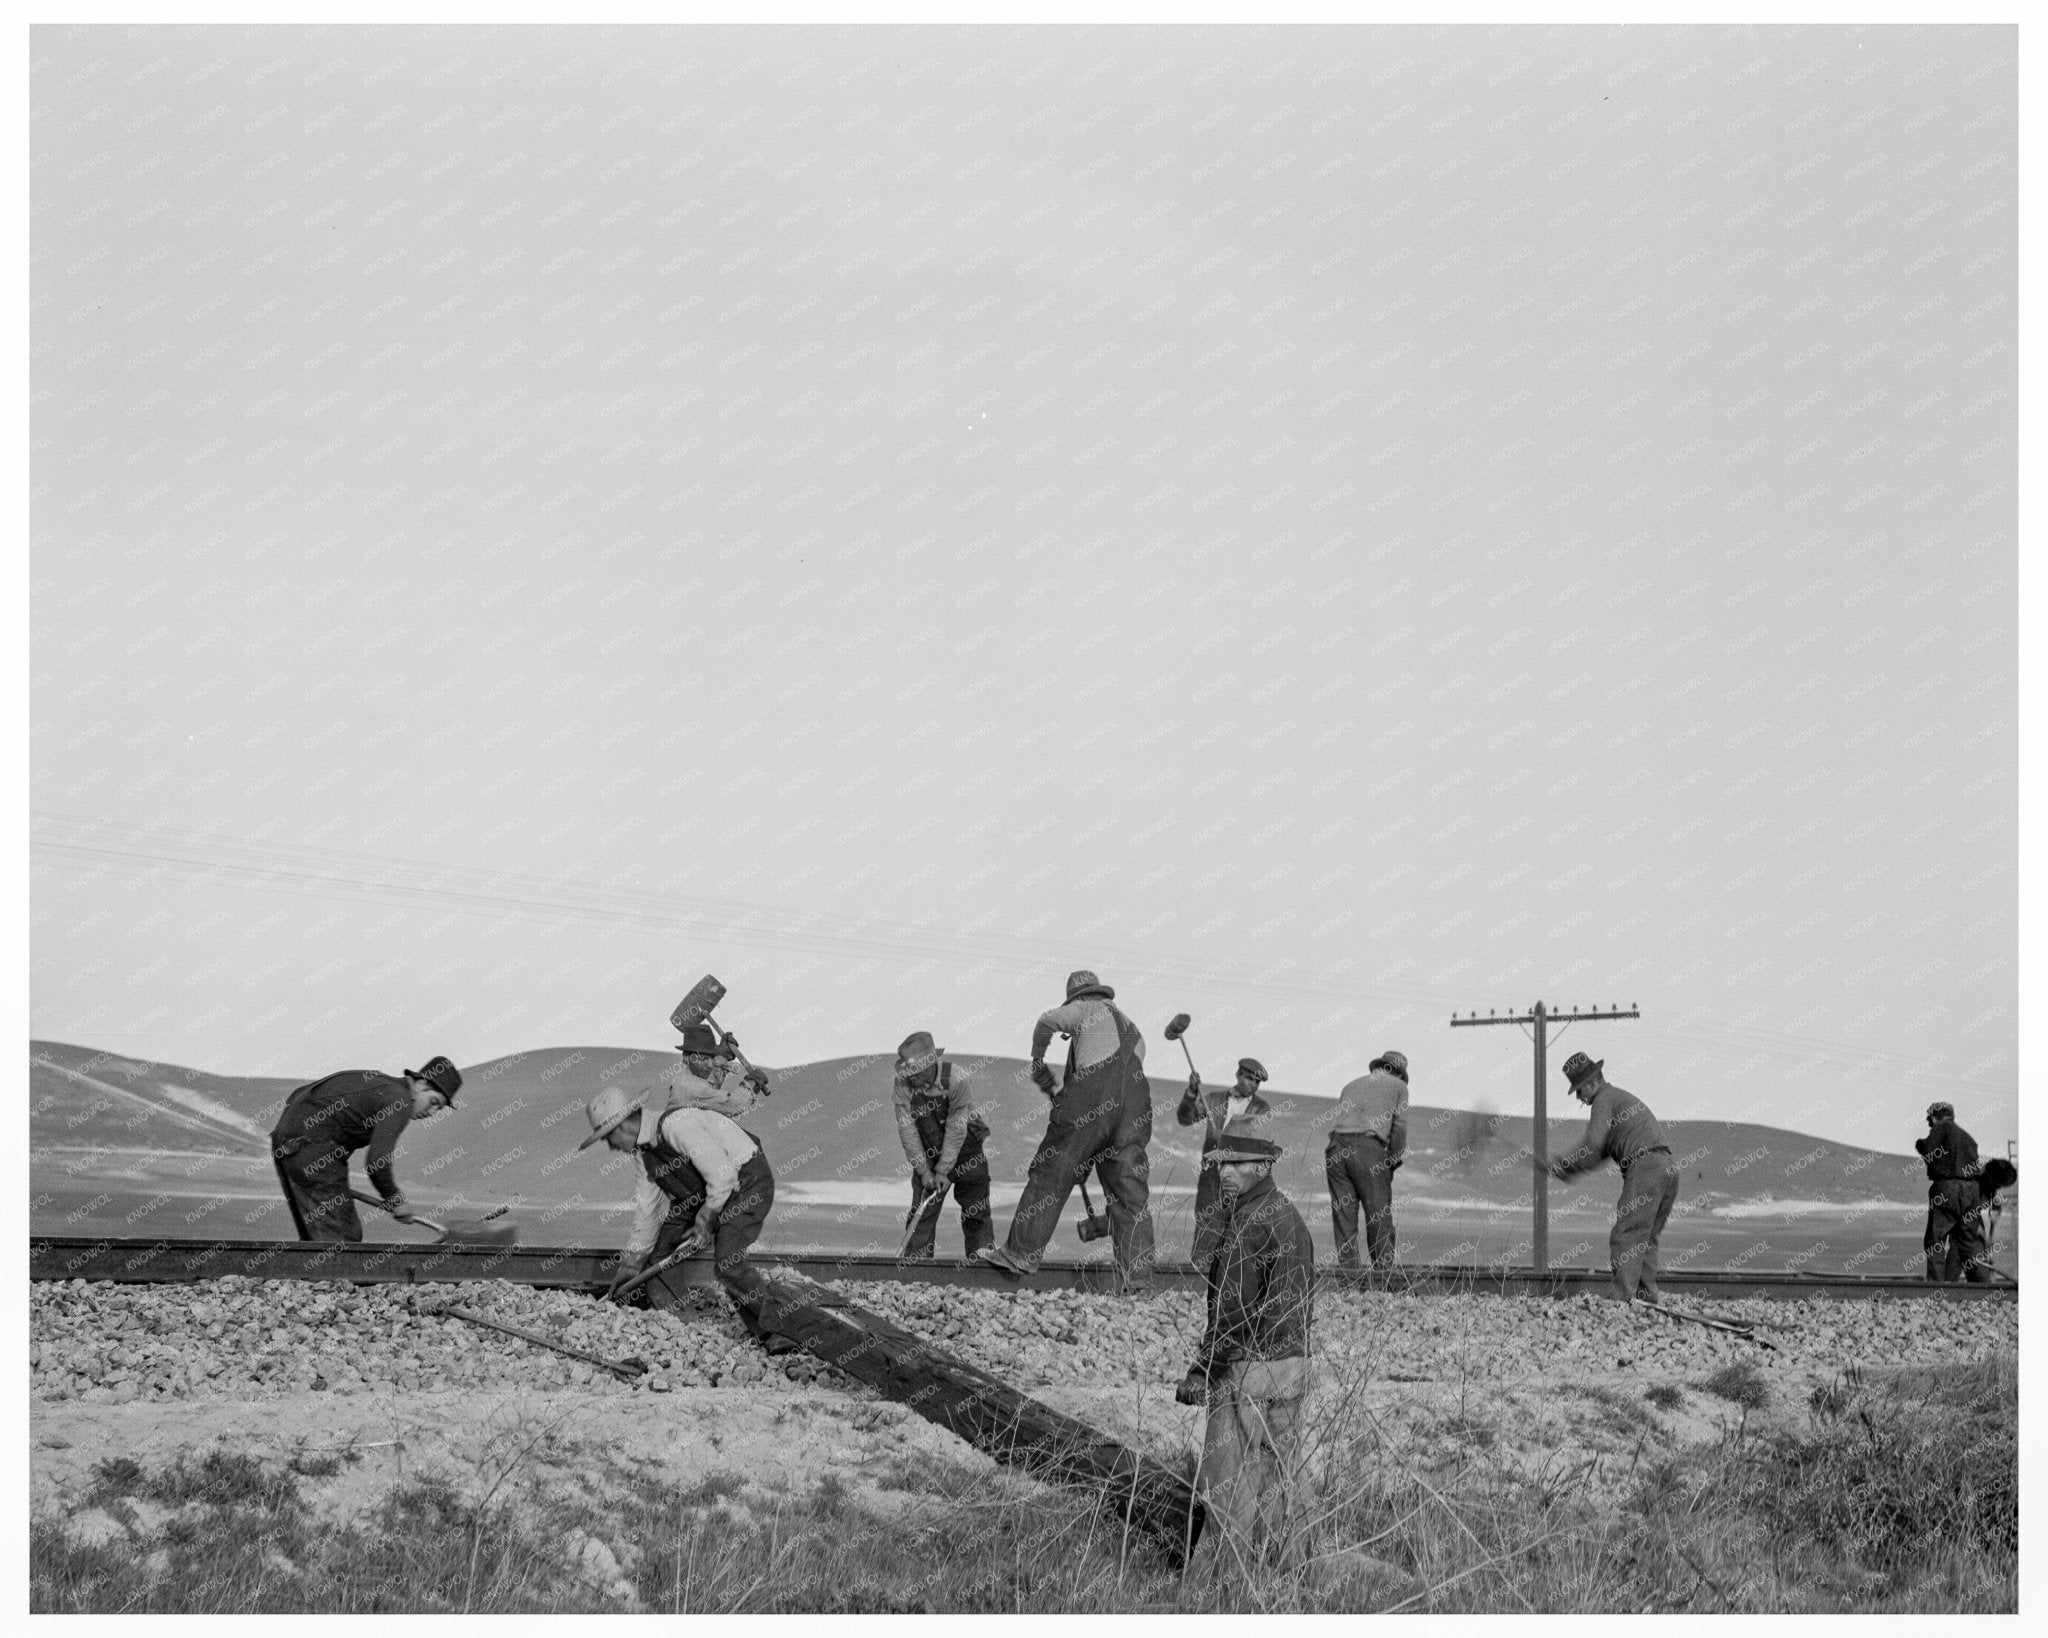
x=1238 y=1111
x=942 y=1135
x=1368 y=1142
x=1251 y=1369
x=704 y=1078
x=705 y=1183
x=1954 y=1241
x=326 y=1121
x=1101 y=1121
x=1623 y=1130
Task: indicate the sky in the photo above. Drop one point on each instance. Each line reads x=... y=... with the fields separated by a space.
x=1325 y=527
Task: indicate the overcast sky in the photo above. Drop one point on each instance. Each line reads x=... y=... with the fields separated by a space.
x=1326 y=527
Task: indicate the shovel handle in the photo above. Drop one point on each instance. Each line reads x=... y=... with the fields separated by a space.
x=379 y=1203
x=690 y=1246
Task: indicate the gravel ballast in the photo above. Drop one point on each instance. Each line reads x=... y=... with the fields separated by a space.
x=241 y=1338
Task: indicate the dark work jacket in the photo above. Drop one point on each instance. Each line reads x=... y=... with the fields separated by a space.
x=670 y=1170
x=1950 y=1152
x=1261 y=1282
x=355 y=1109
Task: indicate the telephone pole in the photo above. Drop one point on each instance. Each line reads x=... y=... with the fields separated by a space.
x=1541 y=1018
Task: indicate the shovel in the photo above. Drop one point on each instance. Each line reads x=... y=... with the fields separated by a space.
x=465 y=1231
x=918 y=1213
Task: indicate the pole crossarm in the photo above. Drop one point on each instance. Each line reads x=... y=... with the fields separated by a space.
x=1539 y=1133
x=1529 y=1017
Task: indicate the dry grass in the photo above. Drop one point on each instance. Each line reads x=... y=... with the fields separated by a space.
x=1897 y=1494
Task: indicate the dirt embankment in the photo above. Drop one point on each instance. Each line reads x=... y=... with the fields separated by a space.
x=359 y=1389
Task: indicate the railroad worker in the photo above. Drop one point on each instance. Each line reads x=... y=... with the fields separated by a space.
x=1251 y=1369
x=1954 y=1241
x=702 y=1177
x=1235 y=1112
x=326 y=1121
x=1368 y=1142
x=1623 y=1130
x=704 y=1079
x=942 y=1135
x=1101 y=1119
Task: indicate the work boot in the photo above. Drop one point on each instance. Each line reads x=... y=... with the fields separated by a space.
x=774 y=1346
x=999 y=1257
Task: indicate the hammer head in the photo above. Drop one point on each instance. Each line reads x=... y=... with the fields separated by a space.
x=697 y=1006
x=1179 y=1027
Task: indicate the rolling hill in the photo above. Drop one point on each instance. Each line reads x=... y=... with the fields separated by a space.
x=123 y=1146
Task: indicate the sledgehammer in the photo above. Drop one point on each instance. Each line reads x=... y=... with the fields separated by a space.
x=1177 y=1031
x=697 y=1007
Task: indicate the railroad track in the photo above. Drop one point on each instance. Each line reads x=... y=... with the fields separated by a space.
x=160 y=1260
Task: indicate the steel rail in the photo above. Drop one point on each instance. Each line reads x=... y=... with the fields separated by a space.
x=165 y=1260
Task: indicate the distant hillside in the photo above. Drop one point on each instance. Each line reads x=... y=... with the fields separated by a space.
x=830 y=1133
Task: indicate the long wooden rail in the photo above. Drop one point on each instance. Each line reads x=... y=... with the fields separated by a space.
x=155 y=1260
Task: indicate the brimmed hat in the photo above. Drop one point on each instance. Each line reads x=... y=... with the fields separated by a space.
x=916 y=1054
x=1394 y=1062
x=1086 y=983
x=1578 y=1066
x=1242 y=1151
x=607 y=1109
x=440 y=1074
x=1253 y=1068
x=699 y=1041
x=1941 y=1111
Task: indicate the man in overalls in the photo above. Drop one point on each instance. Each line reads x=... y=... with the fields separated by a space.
x=1101 y=1119
x=1239 y=1112
x=941 y=1132
x=703 y=1176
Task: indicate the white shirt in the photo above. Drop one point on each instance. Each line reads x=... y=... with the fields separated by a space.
x=714 y=1145
x=1091 y=1025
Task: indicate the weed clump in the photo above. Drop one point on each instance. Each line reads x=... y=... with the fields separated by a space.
x=1664 y=1396
x=1740 y=1383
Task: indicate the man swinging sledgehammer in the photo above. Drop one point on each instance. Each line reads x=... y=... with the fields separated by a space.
x=1101 y=1121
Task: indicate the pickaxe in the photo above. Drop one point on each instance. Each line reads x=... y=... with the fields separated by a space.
x=469 y=1231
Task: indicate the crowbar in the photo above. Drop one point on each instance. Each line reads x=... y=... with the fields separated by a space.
x=930 y=1203
x=1741 y=1331
x=627 y=1370
x=692 y=1244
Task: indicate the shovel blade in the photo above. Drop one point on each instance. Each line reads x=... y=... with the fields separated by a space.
x=480 y=1233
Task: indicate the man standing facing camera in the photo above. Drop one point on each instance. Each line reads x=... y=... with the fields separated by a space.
x=942 y=1133
x=326 y=1121
x=1251 y=1370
